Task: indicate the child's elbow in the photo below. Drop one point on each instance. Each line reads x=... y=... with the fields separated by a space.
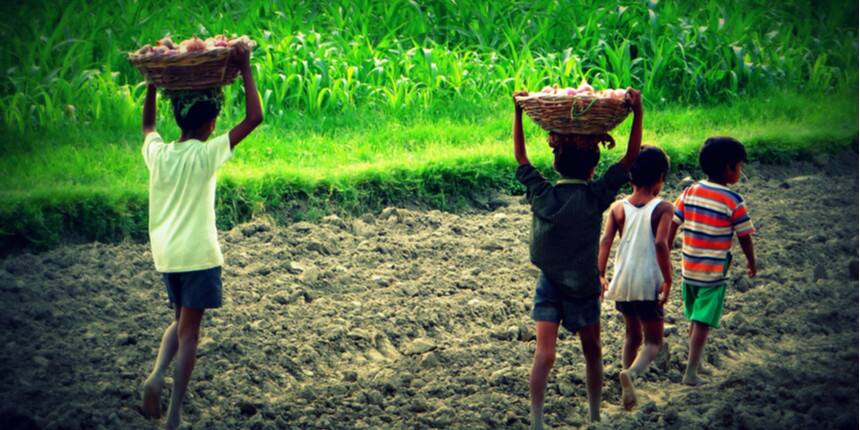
x=256 y=120
x=662 y=246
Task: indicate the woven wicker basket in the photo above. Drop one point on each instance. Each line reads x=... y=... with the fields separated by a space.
x=188 y=71
x=566 y=114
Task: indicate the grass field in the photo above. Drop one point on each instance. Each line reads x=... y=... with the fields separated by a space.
x=375 y=103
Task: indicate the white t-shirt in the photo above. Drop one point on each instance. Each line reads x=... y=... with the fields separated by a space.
x=182 y=230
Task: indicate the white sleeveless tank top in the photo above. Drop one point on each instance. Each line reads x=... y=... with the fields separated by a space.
x=637 y=274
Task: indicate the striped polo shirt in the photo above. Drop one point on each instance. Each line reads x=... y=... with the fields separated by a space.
x=710 y=214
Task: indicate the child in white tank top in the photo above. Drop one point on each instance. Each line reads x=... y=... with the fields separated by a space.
x=643 y=270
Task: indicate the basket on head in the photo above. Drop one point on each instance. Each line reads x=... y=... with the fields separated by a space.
x=188 y=70
x=580 y=114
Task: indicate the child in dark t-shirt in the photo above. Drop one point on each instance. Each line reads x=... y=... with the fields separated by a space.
x=565 y=235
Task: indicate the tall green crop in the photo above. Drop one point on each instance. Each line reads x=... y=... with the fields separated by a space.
x=64 y=61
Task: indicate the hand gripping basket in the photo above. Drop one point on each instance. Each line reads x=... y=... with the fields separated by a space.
x=580 y=114
x=189 y=70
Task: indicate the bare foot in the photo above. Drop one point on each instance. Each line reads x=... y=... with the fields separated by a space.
x=152 y=397
x=692 y=380
x=628 y=392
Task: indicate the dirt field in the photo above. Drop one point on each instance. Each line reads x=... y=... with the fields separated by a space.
x=420 y=319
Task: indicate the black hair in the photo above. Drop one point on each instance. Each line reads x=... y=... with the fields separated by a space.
x=650 y=167
x=720 y=152
x=194 y=108
x=575 y=154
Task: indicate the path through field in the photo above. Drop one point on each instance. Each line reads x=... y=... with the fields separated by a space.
x=420 y=319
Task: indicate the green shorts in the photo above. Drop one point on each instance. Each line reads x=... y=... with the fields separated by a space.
x=704 y=304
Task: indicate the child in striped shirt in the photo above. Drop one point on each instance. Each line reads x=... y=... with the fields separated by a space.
x=711 y=214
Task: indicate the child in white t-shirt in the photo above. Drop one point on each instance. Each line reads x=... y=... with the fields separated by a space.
x=182 y=230
x=643 y=269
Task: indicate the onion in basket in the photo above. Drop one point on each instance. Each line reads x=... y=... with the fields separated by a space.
x=585 y=88
x=167 y=42
x=192 y=45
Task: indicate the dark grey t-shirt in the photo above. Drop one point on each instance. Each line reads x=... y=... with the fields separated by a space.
x=566 y=226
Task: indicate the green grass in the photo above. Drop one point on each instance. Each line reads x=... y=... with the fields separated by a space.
x=64 y=60
x=92 y=184
x=369 y=103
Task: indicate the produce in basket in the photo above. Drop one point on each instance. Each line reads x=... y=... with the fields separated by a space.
x=192 y=64
x=578 y=110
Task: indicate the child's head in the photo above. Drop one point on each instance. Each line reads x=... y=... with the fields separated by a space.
x=195 y=111
x=650 y=168
x=576 y=155
x=722 y=159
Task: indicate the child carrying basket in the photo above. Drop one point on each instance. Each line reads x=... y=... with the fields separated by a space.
x=182 y=183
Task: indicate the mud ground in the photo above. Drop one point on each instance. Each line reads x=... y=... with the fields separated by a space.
x=420 y=319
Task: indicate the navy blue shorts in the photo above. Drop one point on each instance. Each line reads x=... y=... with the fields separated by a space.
x=554 y=305
x=645 y=310
x=200 y=289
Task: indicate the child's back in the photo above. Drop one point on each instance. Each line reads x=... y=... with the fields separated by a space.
x=182 y=184
x=711 y=214
x=566 y=225
x=637 y=275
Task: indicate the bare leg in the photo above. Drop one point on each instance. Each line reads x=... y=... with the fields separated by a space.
x=152 y=385
x=547 y=333
x=698 y=337
x=188 y=332
x=632 y=340
x=589 y=337
x=653 y=341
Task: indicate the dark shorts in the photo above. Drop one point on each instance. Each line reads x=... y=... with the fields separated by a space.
x=644 y=310
x=552 y=304
x=200 y=289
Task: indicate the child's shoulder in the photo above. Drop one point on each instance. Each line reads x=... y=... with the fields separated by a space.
x=152 y=137
x=723 y=190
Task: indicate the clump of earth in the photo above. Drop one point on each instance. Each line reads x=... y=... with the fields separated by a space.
x=420 y=319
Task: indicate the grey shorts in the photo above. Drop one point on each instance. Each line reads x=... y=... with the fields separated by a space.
x=553 y=304
x=200 y=289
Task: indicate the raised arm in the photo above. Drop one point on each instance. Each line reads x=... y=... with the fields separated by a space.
x=747 y=246
x=253 y=109
x=149 y=109
x=519 y=137
x=605 y=246
x=661 y=244
x=635 y=100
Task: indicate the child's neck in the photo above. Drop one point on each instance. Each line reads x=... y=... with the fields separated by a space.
x=641 y=195
x=719 y=181
x=188 y=135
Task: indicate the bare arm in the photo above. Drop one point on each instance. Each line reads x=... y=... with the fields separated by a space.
x=149 y=109
x=661 y=244
x=606 y=246
x=253 y=109
x=747 y=246
x=519 y=137
x=606 y=241
x=673 y=231
x=635 y=99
